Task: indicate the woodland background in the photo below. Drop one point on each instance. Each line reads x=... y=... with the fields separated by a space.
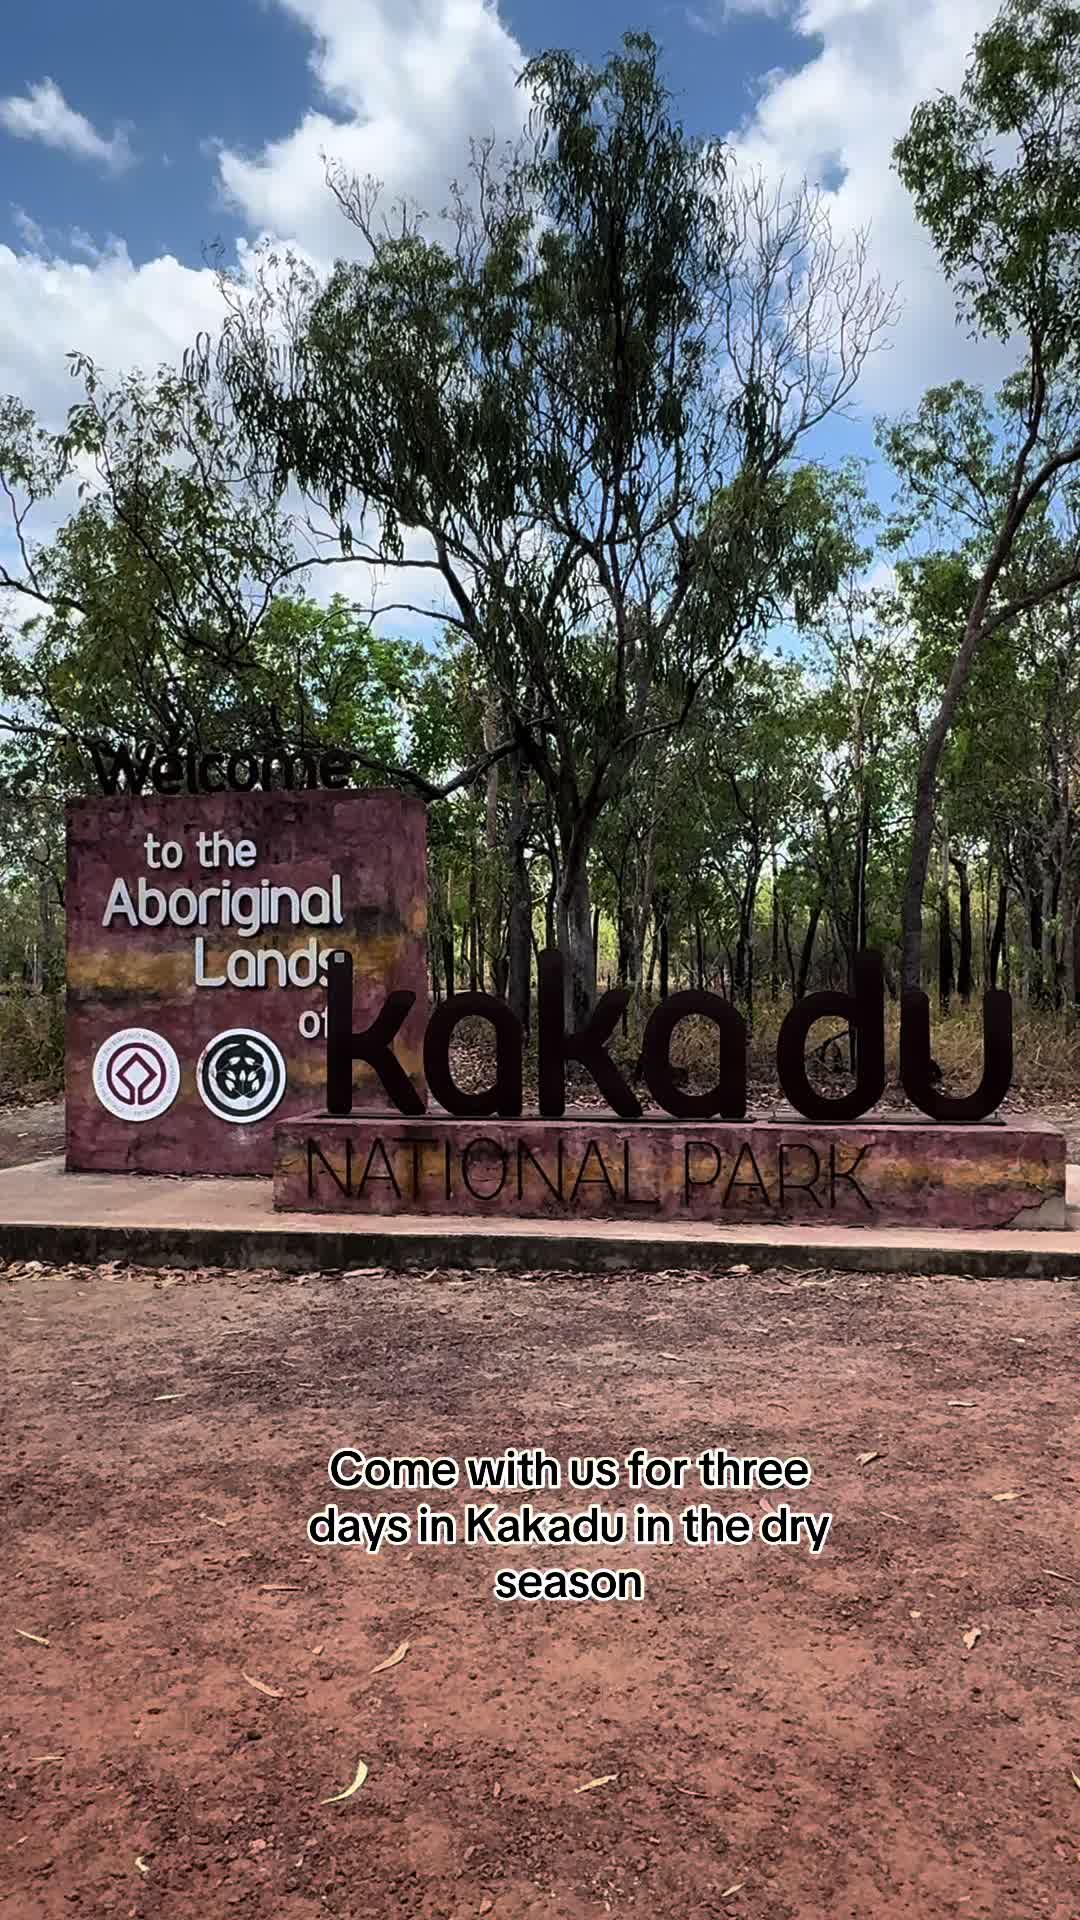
x=695 y=704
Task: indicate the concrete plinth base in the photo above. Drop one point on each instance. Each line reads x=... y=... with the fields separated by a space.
x=86 y=1218
x=871 y=1173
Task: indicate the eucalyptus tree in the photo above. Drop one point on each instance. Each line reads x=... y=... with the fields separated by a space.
x=995 y=177
x=159 y=589
x=573 y=414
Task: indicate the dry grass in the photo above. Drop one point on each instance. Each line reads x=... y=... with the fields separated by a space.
x=1046 y=1049
x=31 y=1045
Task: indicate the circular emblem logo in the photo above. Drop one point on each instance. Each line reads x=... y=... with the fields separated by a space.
x=241 y=1075
x=136 y=1074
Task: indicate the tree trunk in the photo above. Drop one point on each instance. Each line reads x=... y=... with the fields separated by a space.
x=1047 y=944
x=665 y=954
x=807 y=954
x=922 y=826
x=774 y=952
x=945 y=950
x=574 y=925
x=964 y=968
x=491 y=731
x=473 y=957
x=997 y=938
x=519 y=930
x=785 y=928
x=987 y=889
x=862 y=905
x=1035 y=937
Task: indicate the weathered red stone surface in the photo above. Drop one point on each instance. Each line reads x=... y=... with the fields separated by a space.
x=120 y=976
x=868 y=1173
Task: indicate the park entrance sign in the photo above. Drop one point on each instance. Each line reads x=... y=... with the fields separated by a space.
x=247 y=994
x=198 y=930
x=829 y=1160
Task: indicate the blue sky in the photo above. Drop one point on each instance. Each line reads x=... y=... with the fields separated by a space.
x=179 y=80
x=133 y=136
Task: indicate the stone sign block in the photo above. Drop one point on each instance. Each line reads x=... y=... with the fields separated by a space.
x=587 y=1167
x=196 y=926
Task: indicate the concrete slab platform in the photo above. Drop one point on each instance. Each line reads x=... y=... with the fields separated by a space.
x=51 y=1215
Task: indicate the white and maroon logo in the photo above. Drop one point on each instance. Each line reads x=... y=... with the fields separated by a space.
x=136 y=1074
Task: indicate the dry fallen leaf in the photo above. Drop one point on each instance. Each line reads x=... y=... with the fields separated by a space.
x=496 y=1790
x=38 y=1638
x=916 y=1613
x=361 y=1776
x=970 y=1637
x=603 y=1780
x=272 y=1693
x=863 y=1460
x=392 y=1659
x=1004 y=1496
x=728 y=1891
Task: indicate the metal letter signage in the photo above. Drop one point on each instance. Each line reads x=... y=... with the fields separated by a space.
x=864 y=1011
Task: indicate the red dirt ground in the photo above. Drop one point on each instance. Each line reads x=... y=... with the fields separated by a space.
x=791 y=1738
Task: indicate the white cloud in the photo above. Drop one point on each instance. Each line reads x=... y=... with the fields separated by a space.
x=127 y=316
x=411 y=81
x=834 y=119
x=28 y=230
x=121 y=314
x=715 y=17
x=43 y=114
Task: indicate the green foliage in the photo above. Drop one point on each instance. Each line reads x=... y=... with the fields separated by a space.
x=574 y=411
x=585 y=403
x=995 y=175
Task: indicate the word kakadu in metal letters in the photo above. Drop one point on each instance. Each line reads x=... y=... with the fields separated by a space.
x=864 y=1011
